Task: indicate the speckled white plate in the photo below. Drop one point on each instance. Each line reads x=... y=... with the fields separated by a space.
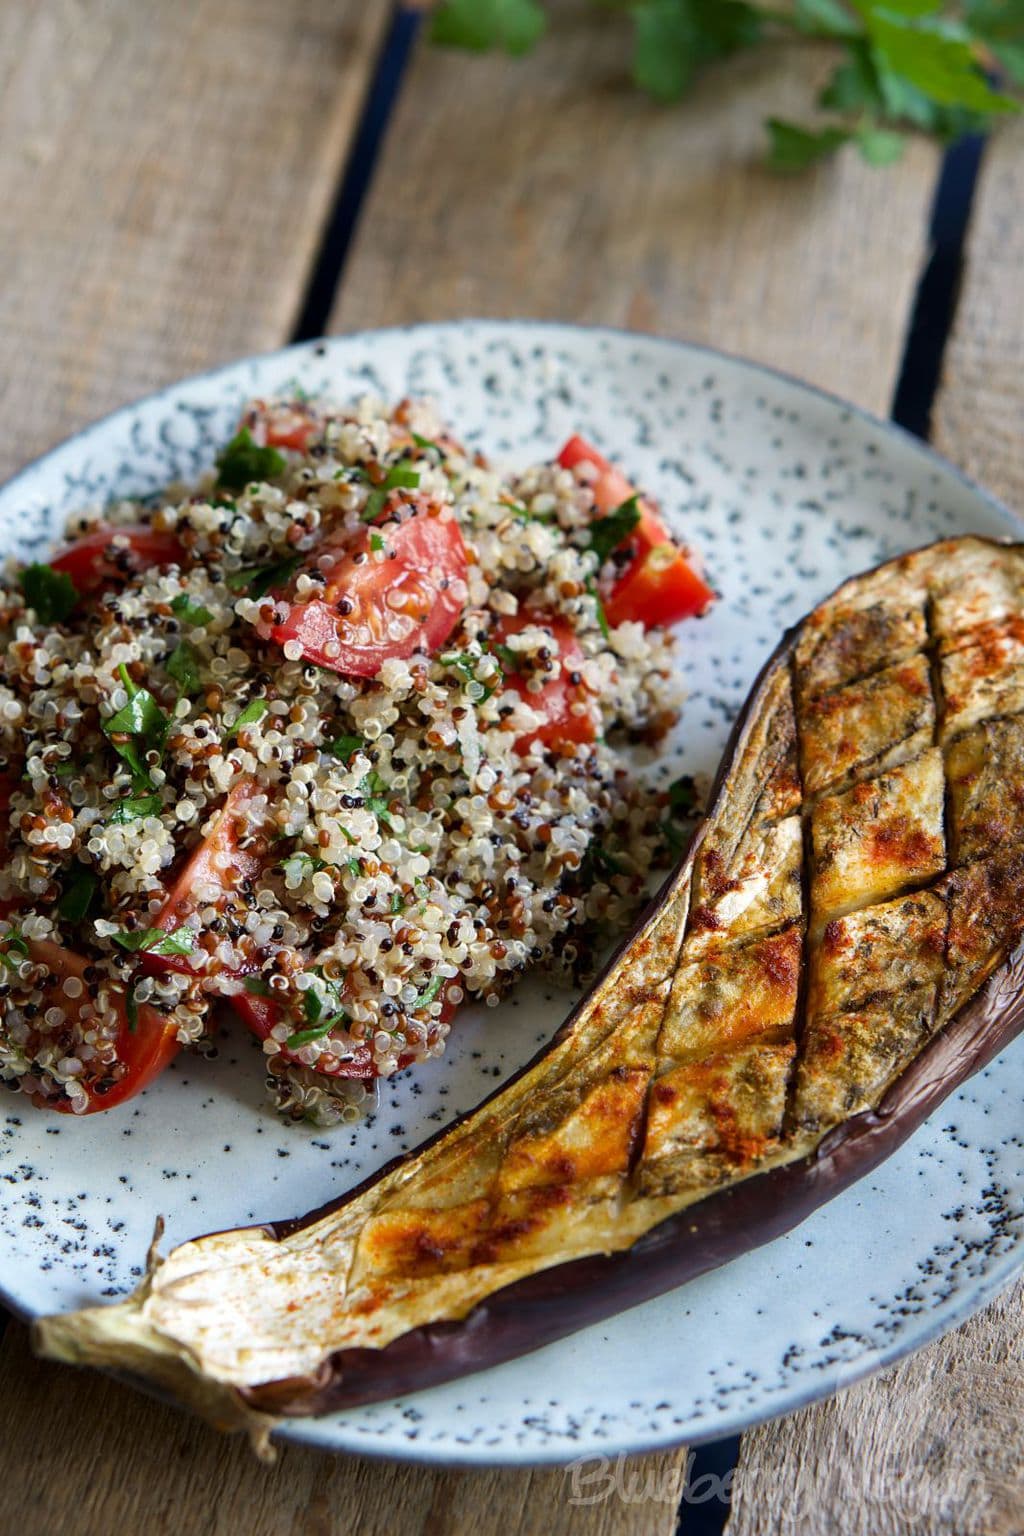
x=786 y=492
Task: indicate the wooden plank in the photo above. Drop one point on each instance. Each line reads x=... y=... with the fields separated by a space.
x=124 y=1463
x=936 y=1445
x=165 y=172
x=548 y=187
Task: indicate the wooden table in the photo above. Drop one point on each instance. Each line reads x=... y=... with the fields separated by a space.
x=169 y=179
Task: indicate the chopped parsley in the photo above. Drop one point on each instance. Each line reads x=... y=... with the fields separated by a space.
x=376 y=543
x=134 y=807
x=131 y=1008
x=190 y=612
x=257 y=987
x=301 y=864
x=258 y=580
x=428 y=442
x=599 y=613
x=183 y=666
x=79 y=893
x=322 y=1011
x=155 y=941
x=145 y=725
x=371 y=790
x=401 y=477
x=683 y=806
x=243 y=462
x=429 y=993
x=253 y=711
x=16 y=945
x=51 y=593
x=345 y=747
x=607 y=533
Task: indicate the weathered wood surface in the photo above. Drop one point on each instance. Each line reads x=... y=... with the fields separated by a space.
x=936 y=1445
x=548 y=187
x=165 y=172
x=85 y=1456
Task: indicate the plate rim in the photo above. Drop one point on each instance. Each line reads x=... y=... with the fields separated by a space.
x=940 y=1322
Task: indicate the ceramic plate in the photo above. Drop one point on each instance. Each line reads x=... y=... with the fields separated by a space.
x=786 y=492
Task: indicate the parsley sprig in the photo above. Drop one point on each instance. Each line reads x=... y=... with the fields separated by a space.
x=138 y=727
x=321 y=1008
x=400 y=477
x=243 y=462
x=903 y=66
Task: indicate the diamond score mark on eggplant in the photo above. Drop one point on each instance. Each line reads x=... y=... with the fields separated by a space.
x=839 y=949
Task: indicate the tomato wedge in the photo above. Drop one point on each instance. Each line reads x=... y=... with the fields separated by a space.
x=95 y=561
x=282 y=425
x=559 y=726
x=220 y=866
x=143 y=1048
x=384 y=603
x=659 y=585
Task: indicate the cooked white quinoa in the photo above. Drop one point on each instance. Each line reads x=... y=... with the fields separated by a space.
x=435 y=856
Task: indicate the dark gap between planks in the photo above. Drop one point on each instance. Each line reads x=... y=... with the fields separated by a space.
x=381 y=96
x=934 y=306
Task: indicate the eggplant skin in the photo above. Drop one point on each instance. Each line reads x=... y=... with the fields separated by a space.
x=839 y=949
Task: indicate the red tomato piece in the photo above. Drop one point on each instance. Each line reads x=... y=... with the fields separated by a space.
x=560 y=726
x=659 y=585
x=142 y=1051
x=95 y=562
x=217 y=862
x=374 y=608
x=289 y=425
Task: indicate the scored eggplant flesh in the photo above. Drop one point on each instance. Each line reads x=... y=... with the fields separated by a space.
x=837 y=951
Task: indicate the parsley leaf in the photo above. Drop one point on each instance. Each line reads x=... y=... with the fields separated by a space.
x=401 y=477
x=607 y=533
x=253 y=711
x=258 y=580
x=131 y=1008
x=155 y=941
x=793 y=148
x=428 y=442
x=143 y=722
x=370 y=788
x=257 y=987
x=675 y=39
x=429 y=993
x=79 y=893
x=183 y=665
x=321 y=1007
x=514 y=25
x=190 y=612
x=376 y=543
x=243 y=462
x=345 y=747
x=599 y=613
x=133 y=808
x=51 y=593
x=301 y=864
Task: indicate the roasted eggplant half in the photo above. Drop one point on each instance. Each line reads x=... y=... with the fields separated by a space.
x=838 y=950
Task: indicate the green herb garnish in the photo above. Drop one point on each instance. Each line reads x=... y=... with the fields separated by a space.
x=131 y=1008
x=401 y=477
x=599 y=613
x=143 y=722
x=682 y=807
x=80 y=892
x=183 y=665
x=257 y=987
x=51 y=593
x=302 y=864
x=428 y=442
x=253 y=711
x=155 y=941
x=134 y=807
x=15 y=942
x=190 y=612
x=903 y=65
x=607 y=533
x=429 y=993
x=376 y=543
x=257 y=581
x=371 y=788
x=322 y=1011
x=345 y=747
x=243 y=462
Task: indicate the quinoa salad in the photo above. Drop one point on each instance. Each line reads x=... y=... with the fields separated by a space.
x=322 y=748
